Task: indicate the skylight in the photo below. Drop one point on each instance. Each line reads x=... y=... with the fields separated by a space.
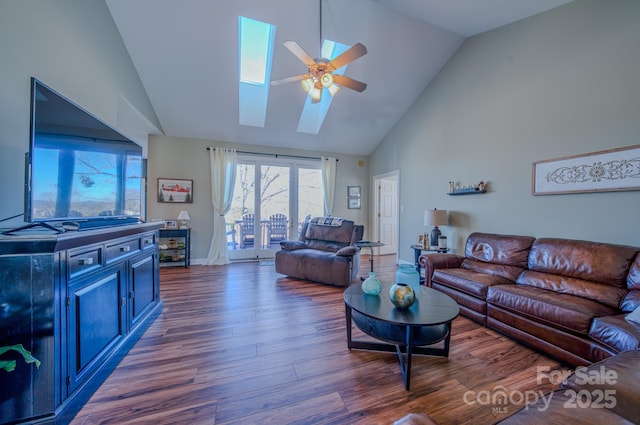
x=256 y=44
x=313 y=114
x=256 y=40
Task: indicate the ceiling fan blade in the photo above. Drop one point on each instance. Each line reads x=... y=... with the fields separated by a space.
x=290 y=79
x=356 y=51
x=349 y=83
x=300 y=53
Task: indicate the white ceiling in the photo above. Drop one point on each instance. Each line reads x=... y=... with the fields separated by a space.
x=185 y=53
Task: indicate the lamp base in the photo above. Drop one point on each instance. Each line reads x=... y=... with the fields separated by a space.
x=435 y=234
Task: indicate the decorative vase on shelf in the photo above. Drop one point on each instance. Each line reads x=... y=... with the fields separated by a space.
x=402 y=296
x=372 y=285
x=408 y=274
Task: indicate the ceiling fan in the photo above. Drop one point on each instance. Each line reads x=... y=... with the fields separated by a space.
x=320 y=71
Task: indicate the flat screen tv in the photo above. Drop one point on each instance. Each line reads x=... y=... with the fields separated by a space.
x=79 y=169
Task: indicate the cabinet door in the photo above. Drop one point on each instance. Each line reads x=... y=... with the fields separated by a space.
x=143 y=286
x=96 y=321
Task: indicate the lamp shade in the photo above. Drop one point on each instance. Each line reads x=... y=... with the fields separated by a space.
x=184 y=215
x=435 y=217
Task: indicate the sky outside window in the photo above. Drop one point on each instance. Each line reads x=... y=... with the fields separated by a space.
x=256 y=40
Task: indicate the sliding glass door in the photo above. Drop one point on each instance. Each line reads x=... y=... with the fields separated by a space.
x=272 y=197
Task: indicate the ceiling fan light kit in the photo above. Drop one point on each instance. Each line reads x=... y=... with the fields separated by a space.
x=320 y=71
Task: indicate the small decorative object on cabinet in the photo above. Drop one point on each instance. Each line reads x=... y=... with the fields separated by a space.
x=175 y=247
x=371 y=285
x=402 y=296
x=183 y=219
x=435 y=218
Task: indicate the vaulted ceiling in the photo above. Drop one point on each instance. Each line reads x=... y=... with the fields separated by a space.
x=186 y=54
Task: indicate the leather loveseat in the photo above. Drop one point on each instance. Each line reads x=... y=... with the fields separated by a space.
x=567 y=298
x=325 y=252
x=604 y=393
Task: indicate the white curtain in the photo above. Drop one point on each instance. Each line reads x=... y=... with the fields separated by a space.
x=329 y=168
x=223 y=180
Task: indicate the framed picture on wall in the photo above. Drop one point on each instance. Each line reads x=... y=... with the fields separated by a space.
x=175 y=190
x=353 y=203
x=612 y=170
x=353 y=191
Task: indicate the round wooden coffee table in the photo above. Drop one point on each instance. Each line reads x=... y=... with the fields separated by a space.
x=425 y=323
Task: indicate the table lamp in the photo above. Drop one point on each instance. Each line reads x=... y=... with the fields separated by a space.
x=435 y=218
x=183 y=218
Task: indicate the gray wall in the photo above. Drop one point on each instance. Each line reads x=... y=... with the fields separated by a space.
x=183 y=158
x=561 y=83
x=73 y=46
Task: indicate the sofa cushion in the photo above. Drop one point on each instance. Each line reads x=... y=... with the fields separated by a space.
x=616 y=332
x=631 y=301
x=591 y=261
x=500 y=255
x=499 y=249
x=292 y=245
x=468 y=281
x=605 y=294
x=562 y=311
x=633 y=278
x=339 y=234
x=316 y=265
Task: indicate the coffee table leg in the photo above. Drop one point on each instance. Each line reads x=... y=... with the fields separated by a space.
x=348 y=318
x=405 y=361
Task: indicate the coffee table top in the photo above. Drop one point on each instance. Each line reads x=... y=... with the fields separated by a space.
x=430 y=308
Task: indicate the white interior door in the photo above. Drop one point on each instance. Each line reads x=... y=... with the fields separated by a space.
x=386 y=214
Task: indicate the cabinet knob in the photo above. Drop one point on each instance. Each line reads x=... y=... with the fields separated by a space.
x=148 y=241
x=125 y=248
x=85 y=261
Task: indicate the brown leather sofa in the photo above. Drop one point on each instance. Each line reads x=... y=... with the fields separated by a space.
x=325 y=252
x=567 y=298
x=604 y=393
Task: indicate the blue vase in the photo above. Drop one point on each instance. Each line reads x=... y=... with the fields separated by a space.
x=402 y=296
x=371 y=285
x=408 y=274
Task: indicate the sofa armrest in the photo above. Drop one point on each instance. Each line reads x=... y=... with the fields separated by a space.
x=348 y=251
x=616 y=377
x=292 y=245
x=616 y=332
x=431 y=262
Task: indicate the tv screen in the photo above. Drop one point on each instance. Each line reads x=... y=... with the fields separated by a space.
x=79 y=169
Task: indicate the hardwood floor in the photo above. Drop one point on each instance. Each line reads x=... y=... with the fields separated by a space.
x=240 y=344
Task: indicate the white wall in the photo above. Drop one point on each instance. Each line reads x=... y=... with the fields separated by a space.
x=561 y=83
x=73 y=46
x=183 y=158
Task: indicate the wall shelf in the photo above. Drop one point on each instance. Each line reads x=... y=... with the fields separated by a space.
x=467 y=192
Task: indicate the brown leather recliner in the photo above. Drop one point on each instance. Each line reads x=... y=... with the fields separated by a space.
x=325 y=252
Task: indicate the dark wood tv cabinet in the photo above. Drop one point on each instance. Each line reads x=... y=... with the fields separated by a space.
x=78 y=301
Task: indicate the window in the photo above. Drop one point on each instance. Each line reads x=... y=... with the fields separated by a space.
x=256 y=41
